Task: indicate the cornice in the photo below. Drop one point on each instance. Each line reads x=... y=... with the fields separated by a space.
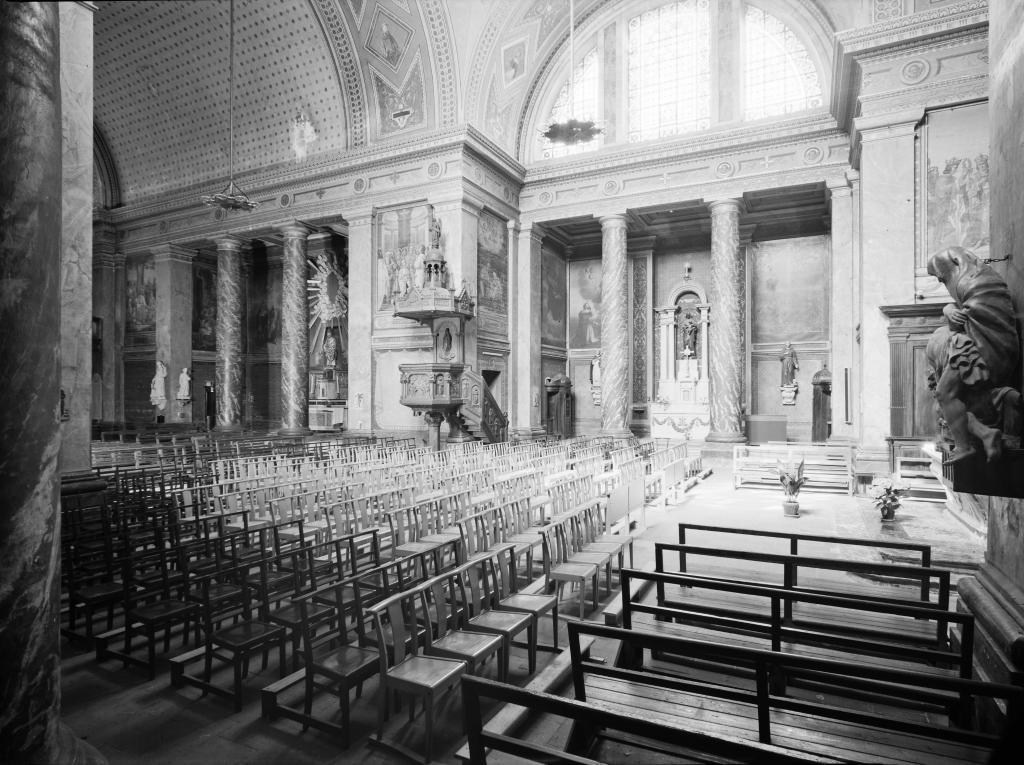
x=854 y=47
x=639 y=156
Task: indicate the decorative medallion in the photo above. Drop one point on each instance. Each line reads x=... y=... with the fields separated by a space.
x=725 y=169
x=813 y=155
x=611 y=187
x=545 y=198
x=433 y=169
x=915 y=71
x=358 y=185
x=163 y=227
x=218 y=214
x=285 y=200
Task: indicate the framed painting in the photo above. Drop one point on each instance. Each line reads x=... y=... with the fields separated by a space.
x=584 y=304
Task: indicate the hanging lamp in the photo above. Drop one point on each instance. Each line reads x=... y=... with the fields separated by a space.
x=571 y=130
x=232 y=197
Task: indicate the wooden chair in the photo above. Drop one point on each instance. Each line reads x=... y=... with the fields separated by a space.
x=560 y=570
x=484 y=616
x=443 y=611
x=327 y=649
x=404 y=668
x=504 y=584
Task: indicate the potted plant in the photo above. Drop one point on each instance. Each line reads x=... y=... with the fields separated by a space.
x=792 y=478
x=888 y=493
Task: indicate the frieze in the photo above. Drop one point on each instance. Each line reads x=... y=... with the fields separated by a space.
x=901 y=29
x=929 y=94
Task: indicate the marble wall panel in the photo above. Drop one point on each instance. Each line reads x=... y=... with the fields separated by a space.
x=138 y=374
x=790 y=287
x=263 y=310
x=204 y=306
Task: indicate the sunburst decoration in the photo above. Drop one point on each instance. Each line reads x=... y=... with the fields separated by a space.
x=327 y=296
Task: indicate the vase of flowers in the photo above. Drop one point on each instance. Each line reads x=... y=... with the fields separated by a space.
x=887 y=493
x=792 y=478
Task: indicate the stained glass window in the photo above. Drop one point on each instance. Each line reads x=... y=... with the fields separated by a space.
x=669 y=75
x=584 y=107
x=779 y=76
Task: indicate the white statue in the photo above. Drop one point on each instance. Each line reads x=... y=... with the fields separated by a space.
x=595 y=369
x=158 y=388
x=184 y=385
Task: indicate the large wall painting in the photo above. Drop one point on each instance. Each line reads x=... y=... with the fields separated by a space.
x=585 y=304
x=140 y=294
x=552 y=299
x=788 y=303
x=956 y=194
x=204 y=306
x=401 y=238
x=265 y=307
x=492 y=274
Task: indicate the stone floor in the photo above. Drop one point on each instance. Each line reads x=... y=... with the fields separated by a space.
x=130 y=719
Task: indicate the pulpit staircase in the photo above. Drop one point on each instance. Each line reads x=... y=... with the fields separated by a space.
x=480 y=414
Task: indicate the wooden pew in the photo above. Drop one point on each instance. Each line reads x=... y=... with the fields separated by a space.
x=826 y=468
x=636 y=685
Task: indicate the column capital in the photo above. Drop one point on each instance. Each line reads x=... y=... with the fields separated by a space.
x=229 y=243
x=107 y=258
x=637 y=246
x=530 y=230
x=746 y=232
x=613 y=220
x=877 y=127
x=724 y=204
x=319 y=236
x=838 y=185
x=172 y=253
x=295 y=229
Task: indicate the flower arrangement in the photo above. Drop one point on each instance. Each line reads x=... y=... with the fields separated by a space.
x=888 y=493
x=791 y=477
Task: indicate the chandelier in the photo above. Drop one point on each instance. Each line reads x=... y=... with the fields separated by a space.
x=571 y=130
x=232 y=197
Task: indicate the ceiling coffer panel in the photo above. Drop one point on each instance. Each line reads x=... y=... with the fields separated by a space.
x=162 y=90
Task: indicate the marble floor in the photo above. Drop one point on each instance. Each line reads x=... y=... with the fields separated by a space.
x=131 y=720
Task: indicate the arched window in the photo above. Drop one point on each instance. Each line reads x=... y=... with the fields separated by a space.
x=669 y=71
x=779 y=76
x=584 y=107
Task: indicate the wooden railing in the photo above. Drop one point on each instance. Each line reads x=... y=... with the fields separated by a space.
x=480 y=410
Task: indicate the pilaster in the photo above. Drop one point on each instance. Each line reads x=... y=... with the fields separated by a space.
x=528 y=382
x=842 y=322
x=173 y=265
x=108 y=290
x=361 y=264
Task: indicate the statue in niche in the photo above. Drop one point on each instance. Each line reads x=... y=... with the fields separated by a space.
x=789 y=365
x=446 y=344
x=688 y=337
x=158 y=388
x=435 y=232
x=184 y=385
x=973 y=358
x=330 y=350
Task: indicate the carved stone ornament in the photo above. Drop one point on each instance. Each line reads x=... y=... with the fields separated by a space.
x=972 y=361
x=789 y=394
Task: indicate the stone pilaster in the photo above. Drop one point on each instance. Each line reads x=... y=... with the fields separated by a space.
x=173 y=266
x=725 y=333
x=76 y=115
x=887 y=233
x=528 y=382
x=460 y=223
x=361 y=264
x=30 y=381
x=843 y=308
x=229 y=333
x=615 y=334
x=294 y=331
x=108 y=288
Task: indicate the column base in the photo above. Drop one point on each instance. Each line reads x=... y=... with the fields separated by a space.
x=723 y=437
x=231 y=427
x=294 y=432
x=617 y=432
x=69 y=748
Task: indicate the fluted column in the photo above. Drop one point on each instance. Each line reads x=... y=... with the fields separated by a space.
x=725 y=334
x=30 y=344
x=229 y=333
x=615 y=337
x=294 y=332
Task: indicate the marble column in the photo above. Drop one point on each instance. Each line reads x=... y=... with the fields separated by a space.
x=843 y=309
x=725 y=333
x=108 y=286
x=30 y=381
x=174 y=283
x=886 y=276
x=615 y=334
x=528 y=382
x=76 y=105
x=230 y=371
x=294 y=332
x=361 y=265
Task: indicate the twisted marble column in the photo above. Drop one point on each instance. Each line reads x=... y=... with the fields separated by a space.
x=725 y=332
x=229 y=333
x=615 y=336
x=294 y=332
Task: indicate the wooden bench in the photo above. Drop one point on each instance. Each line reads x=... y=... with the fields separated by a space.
x=885 y=635
x=826 y=468
x=639 y=687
